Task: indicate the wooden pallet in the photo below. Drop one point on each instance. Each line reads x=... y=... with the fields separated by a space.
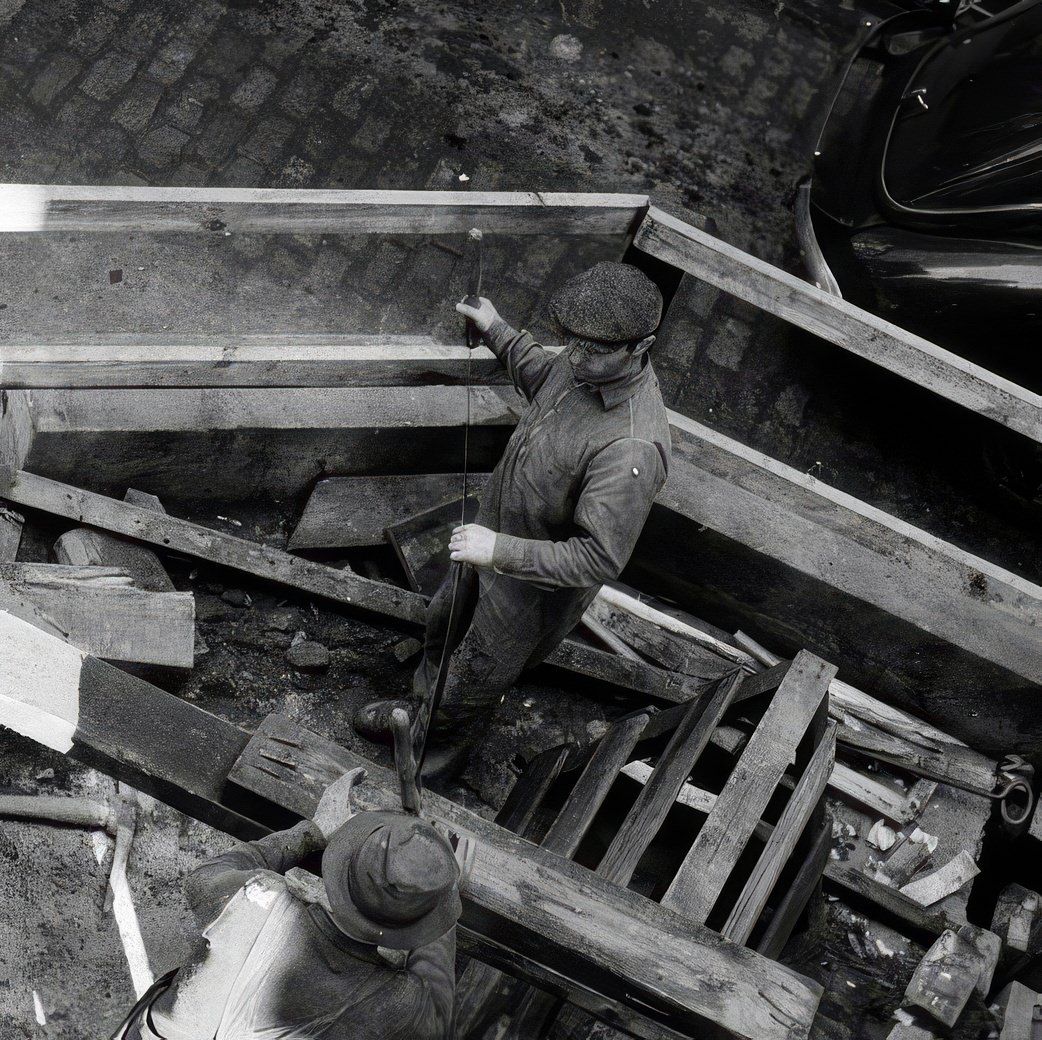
x=717 y=880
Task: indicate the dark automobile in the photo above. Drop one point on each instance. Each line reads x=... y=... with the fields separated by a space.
x=925 y=204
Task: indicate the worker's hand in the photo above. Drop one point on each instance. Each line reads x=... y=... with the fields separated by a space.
x=482 y=316
x=472 y=544
x=334 y=807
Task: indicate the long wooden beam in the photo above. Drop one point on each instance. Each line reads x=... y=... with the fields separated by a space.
x=95 y=361
x=84 y=208
x=841 y=323
x=559 y=913
x=790 y=516
x=340 y=586
x=541 y=906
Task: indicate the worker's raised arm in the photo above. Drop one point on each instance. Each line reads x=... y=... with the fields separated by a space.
x=209 y=887
x=526 y=362
x=617 y=494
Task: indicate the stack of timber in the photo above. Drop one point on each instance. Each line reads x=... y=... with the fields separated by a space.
x=528 y=910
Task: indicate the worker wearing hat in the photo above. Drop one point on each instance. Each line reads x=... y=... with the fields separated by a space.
x=280 y=957
x=563 y=509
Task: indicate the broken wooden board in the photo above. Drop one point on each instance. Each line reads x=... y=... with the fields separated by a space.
x=697 y=885
x=880 y=798
x=957 y=964
x=587 y=929
x=16 y=431
x=422 y=542
x=103 y=615
x=347 y=512
x=339 y=586
x=840 y=322
x=86 y=208
x=932 y=888
x=11 y=524
x=94 y=712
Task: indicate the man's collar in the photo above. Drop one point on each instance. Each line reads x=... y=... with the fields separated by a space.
x=623 y=388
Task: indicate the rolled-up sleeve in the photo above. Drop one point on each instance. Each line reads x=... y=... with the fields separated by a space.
x=617 y=494
x=527 y=363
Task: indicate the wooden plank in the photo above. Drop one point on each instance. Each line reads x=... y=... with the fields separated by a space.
x=585 y=927
x=245 y=360
x=841 y=323
x=795 y=900
x=114 y=622
x=957 y=964
x=96 y=713
x=932 y=888
x=664 y=648
x=648 y=813
x=346 y=512
x=59 y=574
x=82 y=547
x=593 y=785
x=11 y=524
x=530 y=789
x=709 y=862
x=882 y=799
x=71 y=412
x=421 y=542
x=794 y=518
x=16 y=430
x=342 y=587
x=787 y=832
x=64 y=207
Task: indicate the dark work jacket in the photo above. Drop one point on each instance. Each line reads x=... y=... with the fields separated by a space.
x=578 y=477
x=276 y=963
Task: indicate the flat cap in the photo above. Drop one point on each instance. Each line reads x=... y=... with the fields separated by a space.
x=610 y=303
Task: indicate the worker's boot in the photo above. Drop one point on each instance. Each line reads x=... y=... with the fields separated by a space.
x=373 y=721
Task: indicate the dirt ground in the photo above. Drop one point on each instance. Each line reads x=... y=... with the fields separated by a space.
x=710 y=108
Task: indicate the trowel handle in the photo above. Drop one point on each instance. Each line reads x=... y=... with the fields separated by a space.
x=405 y=761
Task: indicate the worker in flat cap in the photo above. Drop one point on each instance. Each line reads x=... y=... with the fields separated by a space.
x=289 y=956
x=563 y=509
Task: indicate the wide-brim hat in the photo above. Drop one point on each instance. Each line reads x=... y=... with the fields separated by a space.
x=610 y=302
x=392 y=880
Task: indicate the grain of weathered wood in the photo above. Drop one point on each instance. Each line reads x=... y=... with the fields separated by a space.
x=657 y=644
x=290 y=408
x=782 y=842
x=344 y=512
x=840 y=323
x=949 y=878
x=798 y=895
x=648 y=813
x=794 y=518
x=566 y=917
x=11 y=524
x=85 y=208
x=82 y=547
x=709 y=862
x=882 y=799
x=609 y=757
x=111 y=621
x=528 y=793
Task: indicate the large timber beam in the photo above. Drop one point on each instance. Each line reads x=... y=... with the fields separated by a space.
x=95 y=361
x=840 y=322
x=340 y=586
x=539 y=905
x=85 y=208
x=833 y=537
